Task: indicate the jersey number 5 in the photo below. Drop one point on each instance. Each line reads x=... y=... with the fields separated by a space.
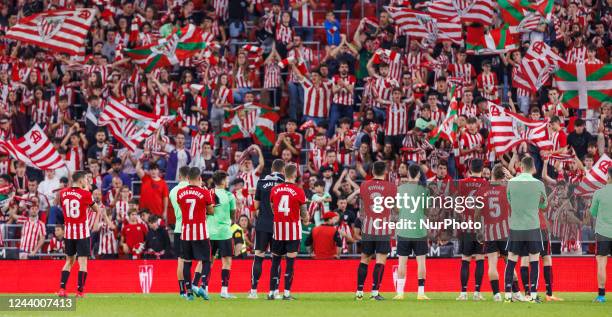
x=72 y=208
x=494 y=207
x=283 y=205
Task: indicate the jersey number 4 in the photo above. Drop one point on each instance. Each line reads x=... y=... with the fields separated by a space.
x=72 y=208
x=283 y=205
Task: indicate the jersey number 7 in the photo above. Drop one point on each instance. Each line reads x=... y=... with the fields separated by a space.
x=192 y=203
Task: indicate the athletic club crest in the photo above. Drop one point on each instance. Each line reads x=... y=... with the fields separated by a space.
x=167 y=47
x=48 y=26
x=145 y=276
x=430 y=26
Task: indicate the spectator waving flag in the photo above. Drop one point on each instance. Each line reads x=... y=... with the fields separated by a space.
x=476 y=11
x=422 y=25
x=34 y=149
x=179 y=45
x=496 y=41
x=251 y=120
x=129 y=126
x=595 y=178
x=532 y=74
x=62 y=31
x=448 y=129
x=585 y=86
x=509 y=129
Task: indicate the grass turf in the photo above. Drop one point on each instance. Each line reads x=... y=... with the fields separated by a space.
x=323 y=304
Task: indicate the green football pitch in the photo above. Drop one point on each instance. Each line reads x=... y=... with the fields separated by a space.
x=323 y=304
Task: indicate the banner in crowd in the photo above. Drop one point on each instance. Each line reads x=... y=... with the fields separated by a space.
x=475 y=11
x=496 y=41
x=63 y=31
x=596 y=177
x=421 y=25
x=130 y=126
x=251 y=120
x=35 y=149
x=181 y=44
x=585 y=86
x=509 y=129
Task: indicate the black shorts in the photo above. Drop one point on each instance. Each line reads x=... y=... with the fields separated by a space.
x=263 y=240
x=406 y=247
x=469 y=245
x=525 y=242
x=282 y=247
x=604 y=245
x=196 y=250
x=496 y=246
x=224 y=247
x=78 y=247
x=371 y=247
x=177 y=245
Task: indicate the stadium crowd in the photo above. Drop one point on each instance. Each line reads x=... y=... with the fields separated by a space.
x=349 y=89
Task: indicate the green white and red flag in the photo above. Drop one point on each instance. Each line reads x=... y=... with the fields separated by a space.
x=585 y=86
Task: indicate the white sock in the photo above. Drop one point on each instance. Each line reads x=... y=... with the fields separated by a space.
x=359 y=293
x=272 y=293
x=401 y=282
x=534 y=294
x=206 y=289
x=421 y=290
x=508 y=295
x=374 y=293
x=223 y=289
x=253 y=291
x=463 y=294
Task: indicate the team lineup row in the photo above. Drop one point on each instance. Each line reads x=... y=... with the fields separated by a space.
x=204 y=219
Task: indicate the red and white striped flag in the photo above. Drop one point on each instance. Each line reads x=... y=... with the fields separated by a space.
x=253 y=49
x=536 y=67
x=532 y=74
x=58 y=30
x=130 y=126
x=34 y=149
x=527 y=24
x=476 y=11
x=595 y=178
x=509 y=129
x=422 y=25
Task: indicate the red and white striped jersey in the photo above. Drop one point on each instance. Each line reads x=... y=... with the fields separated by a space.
x=302 y=14
x=162 y=104
x=414 y=60
x=42 y=111
x=520 y=92
x=104 y=71
x=470 y=141
x=75 y=203
x=556 y=108
x=414 y=148
x=381 y=88
x=30 y=234
x=317 y=99
x=344 y=96
x=438 y=115
x=576 y=55
x=465 y=71
x=559 y=139
x=470 y=111
x=108 y=240
x=397 y=119
x=121 y=209
x=284 y=34
x=221 y=9
x=301 y=54
x=371 y=220
x=75 y=158
x=495 y=212
x=272 y=76
x=5 y=165
x=488 y=81
x=197 y=142
x=250 y=179
x=194 y=118
x=194 y=201
x=316 y=156
x=287 y=200
x=242 y=79
x=56 y=246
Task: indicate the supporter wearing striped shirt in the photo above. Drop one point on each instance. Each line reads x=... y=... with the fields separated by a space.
x=33 y=234
x=108 y=247
x=381 y=87
x=397 y=118
x=462 y=69
x=487 y=83
x=302 y=13
x=343 y=100
x=317 y=96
